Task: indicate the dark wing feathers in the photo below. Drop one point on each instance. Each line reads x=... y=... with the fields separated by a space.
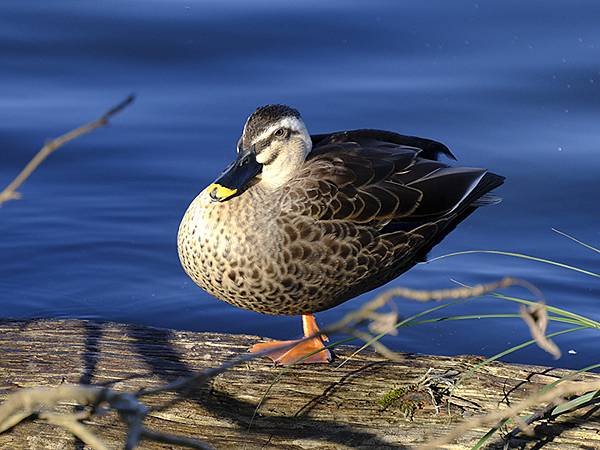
x=447 y=188
x=373 y=177
x=430 y=149
x=357 y=183
x=379 y=202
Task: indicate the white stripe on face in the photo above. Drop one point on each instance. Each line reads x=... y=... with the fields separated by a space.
x=292 y=123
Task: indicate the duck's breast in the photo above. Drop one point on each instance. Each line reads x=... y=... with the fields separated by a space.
x=229 y=248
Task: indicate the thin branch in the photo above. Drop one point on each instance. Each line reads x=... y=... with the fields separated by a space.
x=134 y=433
x=10 y=192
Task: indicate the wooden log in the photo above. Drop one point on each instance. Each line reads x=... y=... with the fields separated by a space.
x=367 y=403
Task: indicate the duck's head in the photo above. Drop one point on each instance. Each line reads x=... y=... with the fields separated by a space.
x=273 y=146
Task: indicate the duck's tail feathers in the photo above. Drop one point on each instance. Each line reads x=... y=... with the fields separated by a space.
x=487 y=200
x=480 y=194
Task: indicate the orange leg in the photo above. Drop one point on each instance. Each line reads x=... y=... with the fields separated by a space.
x=290 y=352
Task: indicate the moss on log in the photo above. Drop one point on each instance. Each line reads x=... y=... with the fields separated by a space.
x=367 y=403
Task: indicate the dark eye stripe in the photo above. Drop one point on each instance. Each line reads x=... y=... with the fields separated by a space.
x=261 y=145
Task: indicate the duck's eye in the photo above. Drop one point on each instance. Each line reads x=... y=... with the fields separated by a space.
x=280 y=133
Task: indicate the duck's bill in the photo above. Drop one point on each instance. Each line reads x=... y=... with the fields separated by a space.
x=235 y=178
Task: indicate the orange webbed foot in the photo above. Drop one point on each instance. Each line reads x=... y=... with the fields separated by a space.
x=310 y=351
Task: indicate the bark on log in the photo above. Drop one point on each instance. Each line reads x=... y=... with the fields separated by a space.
x=309 y=407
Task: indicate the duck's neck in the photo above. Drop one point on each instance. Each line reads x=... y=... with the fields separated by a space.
x=283 y=169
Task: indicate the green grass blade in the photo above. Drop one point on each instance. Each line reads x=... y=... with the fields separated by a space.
x=576 y=402
x=562 y=233
x=563 y=312
x=409 y=322
x=553 y=309
x=495 y=316
x=572 y=319
x=488 y=435
x=518 y=255
x=478 y=366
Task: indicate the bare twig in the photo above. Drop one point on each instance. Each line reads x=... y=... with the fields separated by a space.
x=10 y=192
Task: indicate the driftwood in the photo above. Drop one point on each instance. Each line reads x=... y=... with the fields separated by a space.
x=369 y=402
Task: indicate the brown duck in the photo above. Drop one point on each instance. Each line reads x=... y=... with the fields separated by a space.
x=298 y=224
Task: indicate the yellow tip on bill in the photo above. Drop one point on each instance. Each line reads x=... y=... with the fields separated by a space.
x=220 y=193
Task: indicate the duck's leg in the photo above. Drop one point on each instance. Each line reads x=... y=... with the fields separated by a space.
x=298 y=351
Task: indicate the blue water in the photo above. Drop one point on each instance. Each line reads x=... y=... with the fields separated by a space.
x=513 y=86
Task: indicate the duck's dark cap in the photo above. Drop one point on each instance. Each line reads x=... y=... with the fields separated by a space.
x=264 y=117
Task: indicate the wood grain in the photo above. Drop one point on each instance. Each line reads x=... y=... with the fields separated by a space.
x=309 y=407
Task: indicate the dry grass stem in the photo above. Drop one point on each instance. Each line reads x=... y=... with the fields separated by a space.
x=384 y=323
x=26 y=403
x=554 y=396
x=377 y=346
x=75 y=427
x=536 y=318
x=10 y=192
x=367 y=310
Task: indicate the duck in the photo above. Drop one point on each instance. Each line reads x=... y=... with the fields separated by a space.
x=300 y=223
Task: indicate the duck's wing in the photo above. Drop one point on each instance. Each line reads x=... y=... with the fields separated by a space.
x=373 y=177
x=381 y=185
x=429 y=148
